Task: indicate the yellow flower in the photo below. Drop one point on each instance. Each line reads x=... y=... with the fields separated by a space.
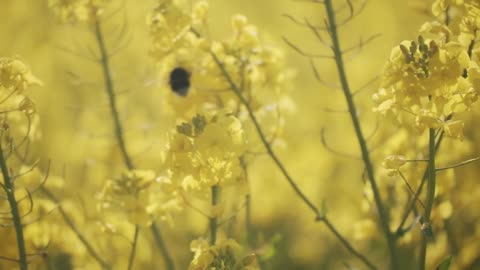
x=15 y=75
x=427 y=119
x=73 y=11
x=226 y=254
x=454 y=129
x=394 y=162
x=140 y=197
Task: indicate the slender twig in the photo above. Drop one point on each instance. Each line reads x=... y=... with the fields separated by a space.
x=300 y=51
x=411 y=204
x=430 y=199
x=75 y=230
x=248 y=206
x=319 y=217
x=458 y=164
x=361 y=140
x=109 y=87
x=104 y=60
x=213 y=215
x=10 y=190
x=163 y=248
x=8 y=259
x=264 y=140
x=411 y=190
x=134 y=248
x=347 y=244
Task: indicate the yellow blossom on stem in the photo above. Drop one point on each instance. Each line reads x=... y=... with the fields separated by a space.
x=140 y=196
x=74 y=11
x=15 y=75
x=206 y=152
x=424 y=84
x=226 y=254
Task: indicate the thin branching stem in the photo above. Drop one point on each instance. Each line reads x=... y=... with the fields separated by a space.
x=104 y=61
x=109 y=87
x=411 y=204
x=319 y=217
x=411 y=190
x=268 y=147
x=134 y=248
x=431 y=183
x=10 y=190
x=75 y=230
x=248 y=220
x=361 y=140
x=163 y=248
x=213 y=217
x=347 y=244
x=463 y=163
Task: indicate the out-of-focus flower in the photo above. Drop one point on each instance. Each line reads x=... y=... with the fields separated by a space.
x=206 y=152
x=423 y=84
x=226 y=254
x=454 y=129
x=15 y=75
x=73 y=11
x=393 y=163
x=139 y=196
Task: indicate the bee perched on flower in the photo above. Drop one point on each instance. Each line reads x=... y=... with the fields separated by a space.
x=180 y=81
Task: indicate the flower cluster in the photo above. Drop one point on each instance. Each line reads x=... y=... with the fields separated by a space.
x=17 y=109
x=429 y=83
x=206 y=152
x=15 y=75
x=424 y=82
x=226 y=254
x=74 y=11
x=139 y=195
x=181 y=39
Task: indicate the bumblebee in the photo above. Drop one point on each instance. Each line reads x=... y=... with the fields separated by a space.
x=180 y=81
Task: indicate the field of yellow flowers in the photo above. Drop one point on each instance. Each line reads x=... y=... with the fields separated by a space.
x=239 y=134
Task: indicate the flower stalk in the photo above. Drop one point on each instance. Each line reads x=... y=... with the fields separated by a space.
x=265 y=142
x=103 y=264
x=9 y=187
x=118 y=130
x=384 y=221
x=214 y=218
x=431 y=183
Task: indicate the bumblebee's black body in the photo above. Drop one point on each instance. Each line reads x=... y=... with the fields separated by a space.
x=180 y=81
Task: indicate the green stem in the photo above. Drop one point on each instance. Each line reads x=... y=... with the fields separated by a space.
x=134 y=248
x=248 y=220
x=347 y=244
x=361 y=139
x=266 y=144
x=319 y=216
x=163 y=248
x=400 y=231
x=426 y=226
x=109 y=87
x=213 y=219
x=104 y=61
x=75 y=230
x=10 y=190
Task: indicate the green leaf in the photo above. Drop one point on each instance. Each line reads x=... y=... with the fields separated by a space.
x=445 y=264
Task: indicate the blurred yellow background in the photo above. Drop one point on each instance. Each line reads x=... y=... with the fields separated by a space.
x=77 y=131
